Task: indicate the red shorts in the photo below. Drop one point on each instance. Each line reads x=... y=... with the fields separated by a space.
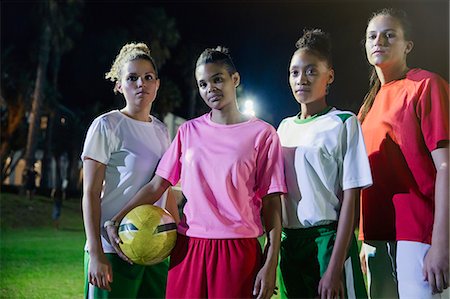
x=213 y=268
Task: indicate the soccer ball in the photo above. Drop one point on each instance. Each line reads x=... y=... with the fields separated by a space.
x=148 y=234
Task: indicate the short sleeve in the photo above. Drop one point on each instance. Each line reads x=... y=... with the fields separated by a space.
x=165 y=136
x=355 y=168
x=270 y=167
x=433 y=111
x=97 y=145
x=169 y=166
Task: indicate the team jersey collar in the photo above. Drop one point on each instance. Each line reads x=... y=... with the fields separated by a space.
x=297 y=119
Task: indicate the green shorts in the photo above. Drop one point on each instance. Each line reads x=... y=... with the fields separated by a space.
x=129 y=281
x=304 y=257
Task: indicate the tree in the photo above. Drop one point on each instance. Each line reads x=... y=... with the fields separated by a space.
x=57 y=82
x=65 y=26
x=48 y=8
x=183 y=68
x=14 y=92
x=153 y=26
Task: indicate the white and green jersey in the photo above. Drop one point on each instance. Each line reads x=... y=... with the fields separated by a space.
x=324 y=155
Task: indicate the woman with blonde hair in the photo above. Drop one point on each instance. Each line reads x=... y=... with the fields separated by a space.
x=120 y=155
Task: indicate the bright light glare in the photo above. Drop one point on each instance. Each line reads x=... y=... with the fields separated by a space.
x=249 y=108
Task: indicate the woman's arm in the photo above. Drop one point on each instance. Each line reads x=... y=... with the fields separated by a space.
x=436 y=262
x=148 y=194
x=271 y=213
x=99 y=268
x=331 y=286
x=172 y=206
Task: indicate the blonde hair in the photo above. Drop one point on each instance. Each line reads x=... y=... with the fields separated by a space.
x=129 y=52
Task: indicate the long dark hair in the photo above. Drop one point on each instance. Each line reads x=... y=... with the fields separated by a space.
x=374 y=81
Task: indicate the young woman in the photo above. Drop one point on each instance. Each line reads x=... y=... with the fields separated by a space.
x=326 y=165
x=120 y=154
x=405 y=214
x=231 y=169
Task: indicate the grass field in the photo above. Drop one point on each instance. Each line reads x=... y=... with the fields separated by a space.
x=36 y=260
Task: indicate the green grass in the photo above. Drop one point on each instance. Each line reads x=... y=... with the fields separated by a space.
x=36 y=260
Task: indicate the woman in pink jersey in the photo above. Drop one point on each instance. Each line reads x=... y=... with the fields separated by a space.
x=405 y=213
x=231 y=171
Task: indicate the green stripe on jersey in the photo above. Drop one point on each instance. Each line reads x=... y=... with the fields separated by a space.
x=313 y=117
x=344 y=116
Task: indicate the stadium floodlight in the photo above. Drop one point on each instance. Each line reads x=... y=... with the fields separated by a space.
x=249 y=107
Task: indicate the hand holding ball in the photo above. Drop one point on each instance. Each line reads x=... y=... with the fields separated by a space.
x=148 y=234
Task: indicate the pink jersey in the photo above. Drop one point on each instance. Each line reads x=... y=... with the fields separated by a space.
x=407 y=120
x=225 y=170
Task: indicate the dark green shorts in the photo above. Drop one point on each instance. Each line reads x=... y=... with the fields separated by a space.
x=130 y=281
x=304 y=257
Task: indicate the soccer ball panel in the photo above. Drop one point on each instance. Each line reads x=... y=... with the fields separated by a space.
x=148 y=234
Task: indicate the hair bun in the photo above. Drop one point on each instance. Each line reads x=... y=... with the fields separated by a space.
x=219 y=54
x=127 y=53
x=223 y=50
x=317 y=41
x=314 y=39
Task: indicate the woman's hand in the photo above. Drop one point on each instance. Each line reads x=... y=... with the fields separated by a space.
x=362 y=259
x=114 y=240
x=100 y=271
x=265 y=280
x=264 y=286
x=435 y=268
x=330 y=285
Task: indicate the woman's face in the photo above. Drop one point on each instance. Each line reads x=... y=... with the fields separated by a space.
x=216 y=86
x=385 y=42
x=138 y=83
x=309 y=76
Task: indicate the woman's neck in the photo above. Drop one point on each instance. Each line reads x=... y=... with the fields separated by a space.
x=391 y=73
x=228 y=116
x=140 y=115
x=310 y=109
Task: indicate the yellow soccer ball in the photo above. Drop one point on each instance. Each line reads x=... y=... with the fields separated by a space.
x=148 y=234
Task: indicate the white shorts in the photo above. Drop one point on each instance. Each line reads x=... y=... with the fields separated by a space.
x=394 y=270
x=411 y=282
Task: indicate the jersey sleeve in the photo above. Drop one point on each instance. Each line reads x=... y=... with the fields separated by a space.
x=97 y=143
x=355 y=168
x=169 y=167
x=270 y=167
x=433 y=111
x=165 y=134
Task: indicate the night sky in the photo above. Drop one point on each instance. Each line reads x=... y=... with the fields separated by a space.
x=261 y=36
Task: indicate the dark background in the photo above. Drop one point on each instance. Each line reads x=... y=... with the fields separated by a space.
x=260 y=35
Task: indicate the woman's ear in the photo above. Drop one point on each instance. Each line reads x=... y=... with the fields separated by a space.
x=236 y=79
x=409 y=47
x=118 y=87
x=331 y=78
